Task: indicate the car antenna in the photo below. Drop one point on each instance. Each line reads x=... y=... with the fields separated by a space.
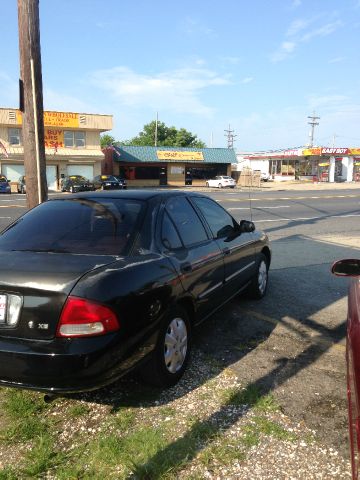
x=250 y=203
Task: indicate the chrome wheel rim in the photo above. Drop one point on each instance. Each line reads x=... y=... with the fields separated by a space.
x=262 y=276
x=175 y=346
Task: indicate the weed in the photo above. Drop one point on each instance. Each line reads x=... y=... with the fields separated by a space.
x=21 y=403
x=78 y=410
x=41 y=457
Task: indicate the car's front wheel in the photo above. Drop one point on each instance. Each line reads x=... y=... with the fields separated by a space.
x=207 y=184
x=220 y=185
x=171 y=354
x=259 y=283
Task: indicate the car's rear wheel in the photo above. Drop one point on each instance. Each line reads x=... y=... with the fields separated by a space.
x=171 y=355
x=259 y=283
x=207 y=184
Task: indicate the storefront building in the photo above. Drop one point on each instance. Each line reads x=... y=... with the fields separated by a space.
x=172 y=166
x=72 y=144
x=320 y=164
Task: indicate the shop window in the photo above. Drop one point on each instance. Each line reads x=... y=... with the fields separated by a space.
x=15 y=136
x=74 y=138
x=206 y=173
x=147 y=173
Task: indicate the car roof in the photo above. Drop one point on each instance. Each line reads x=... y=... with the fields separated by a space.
x=136 y=194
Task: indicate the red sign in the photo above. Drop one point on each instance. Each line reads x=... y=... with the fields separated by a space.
x=334 y=151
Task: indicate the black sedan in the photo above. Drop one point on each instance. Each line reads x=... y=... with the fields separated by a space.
x=76 y=183
x=95 y=284
x=108 y=182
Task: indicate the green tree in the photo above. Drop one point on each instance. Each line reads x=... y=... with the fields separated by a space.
x=106 y=140
x=166 y=137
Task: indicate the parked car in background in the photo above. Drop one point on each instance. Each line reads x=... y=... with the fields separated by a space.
x=4 y=185
x=121 y=180
x=265 y=176
x=99 y=283
x=76 y=183
x=221 y=181
x=351 y=268
x=107 y=182
x=21 y=186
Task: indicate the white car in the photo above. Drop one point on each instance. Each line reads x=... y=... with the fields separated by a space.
x=221 y=181
x=265 y=176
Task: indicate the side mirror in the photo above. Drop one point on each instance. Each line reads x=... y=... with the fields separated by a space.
x=246 y=226
x=348 y=267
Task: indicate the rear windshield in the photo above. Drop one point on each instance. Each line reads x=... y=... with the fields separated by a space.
x=80 y=225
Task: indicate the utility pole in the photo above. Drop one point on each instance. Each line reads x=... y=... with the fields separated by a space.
x=32 y=102
x=156 y=128
x=230 y=137
x=313 y=123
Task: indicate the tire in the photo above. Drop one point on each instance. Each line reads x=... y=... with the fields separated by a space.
x=258 y=287
x=220 y=185
x=207 y=184
x=72 y=189
x=22 y=190
x=172 y=351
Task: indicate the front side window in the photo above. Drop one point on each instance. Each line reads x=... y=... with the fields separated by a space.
x=74 y=138
x=187 y=222
x=220 y=222
x=15 y=136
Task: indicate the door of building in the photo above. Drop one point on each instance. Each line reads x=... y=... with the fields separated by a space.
x=163 y=176
x=188 y=176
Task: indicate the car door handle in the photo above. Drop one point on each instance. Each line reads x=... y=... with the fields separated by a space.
x=186 y=267
x=226 y=251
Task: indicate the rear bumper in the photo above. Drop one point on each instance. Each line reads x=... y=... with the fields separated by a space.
x=65 y=365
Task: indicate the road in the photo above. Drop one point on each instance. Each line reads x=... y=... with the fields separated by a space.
x=299 y=328
x=296 y=335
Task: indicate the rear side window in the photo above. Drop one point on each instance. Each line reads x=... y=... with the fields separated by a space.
x=186 y=221
x=169 y=236
x=82 y=225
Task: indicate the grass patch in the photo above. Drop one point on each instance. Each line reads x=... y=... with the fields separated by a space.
x=22 y=403
x=78 y=410
x=41 y=458
x=124 y=419
x=250 y=396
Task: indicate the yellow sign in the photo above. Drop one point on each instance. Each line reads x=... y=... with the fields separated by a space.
x=177 y=155
x=311 y=151
x=54 y=138
x=354 y=151
x=56 y=119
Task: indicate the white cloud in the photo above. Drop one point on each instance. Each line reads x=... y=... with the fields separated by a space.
x=177 y=90
x=285 y=51
x=190 y=26
x=247 y=80
x=337 y=59
x=322 y=31
x=299 y=32
x=54 y=100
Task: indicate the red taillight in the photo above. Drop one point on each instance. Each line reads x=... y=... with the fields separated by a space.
x=83 y=318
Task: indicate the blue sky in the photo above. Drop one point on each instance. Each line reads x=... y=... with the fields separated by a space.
x=260 y=66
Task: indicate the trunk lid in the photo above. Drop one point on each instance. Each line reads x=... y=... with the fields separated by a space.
x=43 y=281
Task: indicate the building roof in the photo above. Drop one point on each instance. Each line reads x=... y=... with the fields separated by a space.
x=149 y=154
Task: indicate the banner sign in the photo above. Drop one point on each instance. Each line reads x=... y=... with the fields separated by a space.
x=177 y=155
x=54 y=138
x=56 y=119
